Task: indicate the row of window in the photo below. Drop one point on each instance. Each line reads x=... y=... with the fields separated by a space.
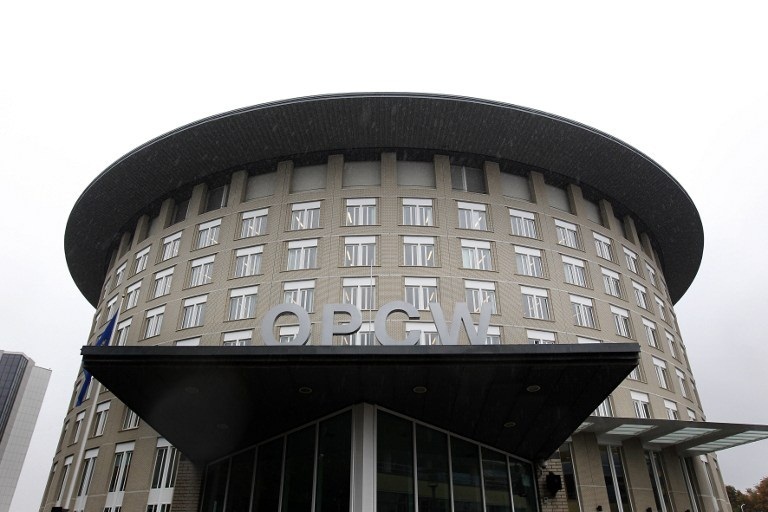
x=641 y=406
x=418 y=291
x=415 y=212
x=417 y=251
x=163 y=477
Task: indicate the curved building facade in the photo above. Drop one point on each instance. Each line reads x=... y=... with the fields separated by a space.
x=386 y=302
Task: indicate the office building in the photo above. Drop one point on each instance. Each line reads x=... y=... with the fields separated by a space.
x=390 y=302
x=22 y=388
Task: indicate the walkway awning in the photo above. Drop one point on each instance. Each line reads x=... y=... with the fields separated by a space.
x=212 y=401
x=688 y=437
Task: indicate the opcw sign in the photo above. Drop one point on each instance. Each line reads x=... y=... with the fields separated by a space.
x=448 y=334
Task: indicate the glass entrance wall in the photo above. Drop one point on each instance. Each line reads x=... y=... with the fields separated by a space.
x=413 y=468
x=423 y=469
x=305 y=470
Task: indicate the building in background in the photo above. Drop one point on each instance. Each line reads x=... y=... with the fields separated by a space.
x=22 y=388
x=389 y=302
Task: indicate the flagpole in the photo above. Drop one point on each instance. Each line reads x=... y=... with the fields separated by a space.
x=91 y=411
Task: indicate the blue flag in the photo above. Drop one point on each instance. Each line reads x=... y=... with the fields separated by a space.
x=102 y=340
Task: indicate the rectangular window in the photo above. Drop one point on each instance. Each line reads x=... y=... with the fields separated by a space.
x=132 y=295
x=242 y=303
x=287 y=333
x=63 y=478
x=142 y=258
x=305 y=215
x=111 y=307
x=472 y=216
x=420 y=291
x=691 y=415
x=359 y=291
x=193 y=312
x=302 y=254
x=100 y=420
x=567 y=234
x=575 y=271
x=208 y=234
x=416 y=174
x=419 y=251
x=661 y=307
x=611 y=282
x=166 y=462
x=476 y=254
x=621 y=322
x=540 y=337
x=557 y=197
x=535 y=303
x=301 y=293
x=162 y=283
x=253 y=223
x=363 y=337
x=604 y=410
x=417 y=212
x=248 y=261
x=153 y=322
x=120 y=466
x=529 y=262
x=89 y=463
x=478 y=293
x=180 y=209
x=651 y=275
x=237 y=338
x=660 y=367
x=216 y=198
x=468 y=179
x=493 y=335
x=170 y=246
x=671 y=408
x=78 y=426
x=130 y=419
x=359 y=251
x=682 y=383
x=583 y=311
x=189 y=342
x=309 y=177
x=361 y=174
x=120 y=274
x=641 y=404
x=637 y=373
x=261 y=184
x=523 y=223
x=650 y=333
x=428 y=332
x=122 y=332
x=515 y=185
x=631 y=260
x=361 y=212
x=603 y=247
x=201 y=271
x=672 y=344
x=641 y=297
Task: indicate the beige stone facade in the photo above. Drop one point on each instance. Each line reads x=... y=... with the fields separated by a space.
x=538 y=295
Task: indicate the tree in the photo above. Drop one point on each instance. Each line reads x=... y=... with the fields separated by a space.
x=754 y=500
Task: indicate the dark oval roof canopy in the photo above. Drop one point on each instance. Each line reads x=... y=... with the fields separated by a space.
x=382 y=120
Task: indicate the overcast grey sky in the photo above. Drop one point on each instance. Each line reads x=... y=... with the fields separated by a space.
x=685 y=82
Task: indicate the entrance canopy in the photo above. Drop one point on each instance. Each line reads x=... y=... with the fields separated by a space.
x=212 y=401
x=688 y=437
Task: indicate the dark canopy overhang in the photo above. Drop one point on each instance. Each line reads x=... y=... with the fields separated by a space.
x=335 y=123
x=212 y=401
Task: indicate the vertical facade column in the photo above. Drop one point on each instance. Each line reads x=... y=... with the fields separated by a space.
x=363 y=457
x=589 y=473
